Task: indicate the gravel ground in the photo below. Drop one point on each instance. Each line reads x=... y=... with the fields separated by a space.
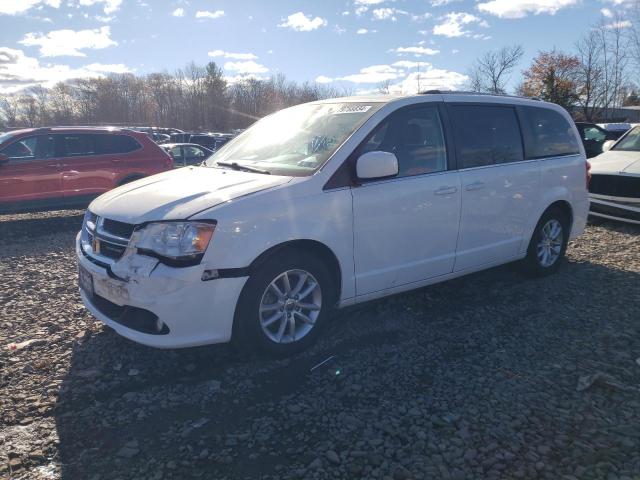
x=489 y=376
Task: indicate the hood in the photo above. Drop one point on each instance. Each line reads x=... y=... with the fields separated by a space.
x=180 y=193
x=616 y=162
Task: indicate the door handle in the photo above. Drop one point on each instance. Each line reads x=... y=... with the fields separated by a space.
x=474 y=186
x=446 y=191
x=53 y=165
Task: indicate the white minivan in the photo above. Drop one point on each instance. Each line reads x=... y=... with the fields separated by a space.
x=328 y=204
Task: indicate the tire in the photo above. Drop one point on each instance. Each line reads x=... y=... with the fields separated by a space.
x=252 y=327
x=546 y=250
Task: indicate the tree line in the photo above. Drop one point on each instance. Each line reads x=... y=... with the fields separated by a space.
x=194 y=98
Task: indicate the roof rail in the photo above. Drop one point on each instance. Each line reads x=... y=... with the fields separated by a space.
x=463 y=92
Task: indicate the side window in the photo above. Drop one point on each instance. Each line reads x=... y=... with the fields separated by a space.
x=109 y=144
x=416 y=138
x=592 y=133
x=31 y=148
x=23 y=149
x=486 y=135
x=77 y=145
x=550 y=134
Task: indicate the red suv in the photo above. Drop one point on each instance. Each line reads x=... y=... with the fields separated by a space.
x=43 y=168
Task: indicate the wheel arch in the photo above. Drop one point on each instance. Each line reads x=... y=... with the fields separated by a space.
x=563 y=206
x=306 y=246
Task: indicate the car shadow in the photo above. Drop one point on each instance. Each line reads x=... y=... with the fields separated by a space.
x=492 y=340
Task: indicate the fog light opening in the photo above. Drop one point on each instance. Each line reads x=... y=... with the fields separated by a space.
x=210 y=275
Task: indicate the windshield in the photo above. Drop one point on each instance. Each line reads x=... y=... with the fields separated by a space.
x=630 y=142
x=295 y=141
x=5 y=136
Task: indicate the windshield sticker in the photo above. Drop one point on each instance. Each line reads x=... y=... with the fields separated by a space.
x=351 y=108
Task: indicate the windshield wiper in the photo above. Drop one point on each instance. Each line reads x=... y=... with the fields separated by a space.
x=244 y=168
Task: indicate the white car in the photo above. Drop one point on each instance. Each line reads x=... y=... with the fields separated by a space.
x=614 y=189
x=329 y=204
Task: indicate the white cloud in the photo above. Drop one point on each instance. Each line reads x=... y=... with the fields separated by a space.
x=408 y=64
x=108 y=68
x=178 y=12
x=373 y=74
x=452 y=24
x=420 y=17
x=440 y=3
x=235 y=56
x=364 y=31
x=429 y=79
x=245 y=67
x=110 y=6
x=69 y=42
x=18 y=71
x=207 y=14
x=301 y=23
x=618 y=25
x=14 y=7
x=606 y=12
x=426 y=77
x=387 y=13
x=521 y=8
x=416 y=51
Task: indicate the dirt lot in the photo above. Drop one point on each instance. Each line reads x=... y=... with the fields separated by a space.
x=480 y=377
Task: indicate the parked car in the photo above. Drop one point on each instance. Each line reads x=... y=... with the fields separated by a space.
x=329 y=204
x=619 y=128
x=44 y=168
x=614 y=190
x=212 y=141
x=185 y=154
x=593 y=137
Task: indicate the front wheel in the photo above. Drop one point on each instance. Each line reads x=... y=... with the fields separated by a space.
x=284 y=305
x=548 y=244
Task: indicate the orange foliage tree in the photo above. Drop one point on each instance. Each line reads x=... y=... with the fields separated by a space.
x=552 y=77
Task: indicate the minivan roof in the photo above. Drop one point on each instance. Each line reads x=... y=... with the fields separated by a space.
x=383 y=98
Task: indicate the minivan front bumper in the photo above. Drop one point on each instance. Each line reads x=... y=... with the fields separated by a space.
x=189 y=310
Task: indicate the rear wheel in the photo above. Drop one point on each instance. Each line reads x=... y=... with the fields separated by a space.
x=548 y=243
x=285 y=304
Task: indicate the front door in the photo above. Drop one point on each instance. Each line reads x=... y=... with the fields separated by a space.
x=32 y=173
x=405 y=228
x=499 y=188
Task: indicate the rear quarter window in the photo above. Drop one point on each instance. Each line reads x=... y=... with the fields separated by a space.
x=548 y=133
x=114 y=144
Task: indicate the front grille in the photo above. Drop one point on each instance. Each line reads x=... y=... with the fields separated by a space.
x=111 y=250
x=615 y=185
x=119 y=229
x=107 y=238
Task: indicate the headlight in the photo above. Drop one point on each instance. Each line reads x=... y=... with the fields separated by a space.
x=175 y=243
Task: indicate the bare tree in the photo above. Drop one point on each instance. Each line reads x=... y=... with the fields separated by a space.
x=590 y=74
x=490 y=73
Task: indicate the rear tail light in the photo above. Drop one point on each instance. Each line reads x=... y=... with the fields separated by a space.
x=168 y=162
x=587 y=173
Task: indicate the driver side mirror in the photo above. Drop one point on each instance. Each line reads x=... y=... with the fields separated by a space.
x=606 y=146
x=3 y=158
x=373 y=165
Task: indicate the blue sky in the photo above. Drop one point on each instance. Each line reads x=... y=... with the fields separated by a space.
x=352 y=44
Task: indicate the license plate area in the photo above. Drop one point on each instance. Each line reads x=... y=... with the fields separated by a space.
x=85 y=281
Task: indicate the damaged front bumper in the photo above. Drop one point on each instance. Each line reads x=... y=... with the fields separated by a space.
x=157 y=305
